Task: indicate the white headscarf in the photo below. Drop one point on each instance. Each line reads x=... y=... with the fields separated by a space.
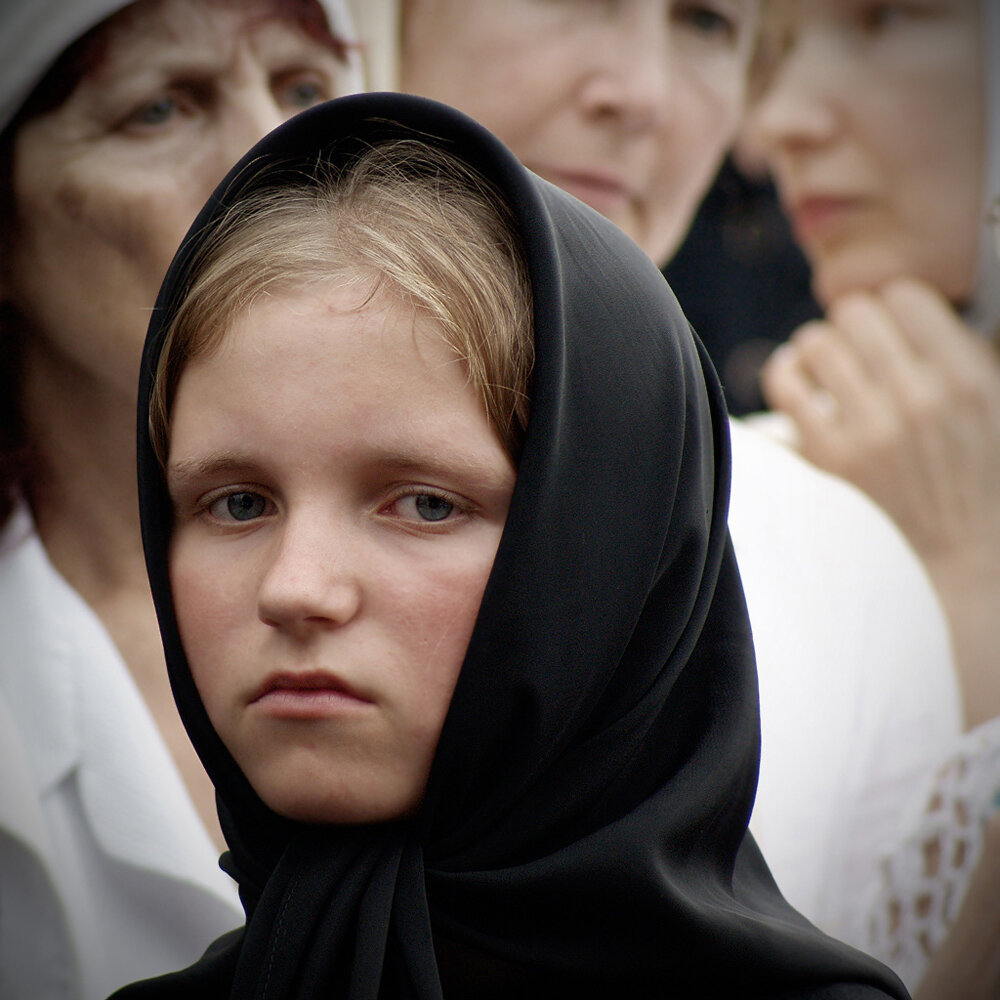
x=34 y=33
x=984 y=312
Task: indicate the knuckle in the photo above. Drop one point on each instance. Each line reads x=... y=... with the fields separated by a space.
x=925 y=402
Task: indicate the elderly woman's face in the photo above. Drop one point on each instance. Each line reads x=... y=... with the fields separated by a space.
x=106 y=185
x=628 y=105
x=875 y=130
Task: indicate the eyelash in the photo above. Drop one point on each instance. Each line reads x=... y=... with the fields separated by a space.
x=693 y=15
x=881 y=17
x=186 y=97
x=459 y=506
x=224 y=496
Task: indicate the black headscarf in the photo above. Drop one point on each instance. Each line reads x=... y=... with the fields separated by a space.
x=584 y=827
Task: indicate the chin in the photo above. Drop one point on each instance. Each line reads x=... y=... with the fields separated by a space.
x=868 y=268
x=842 y=273
x=338 y=806
x=661 y=243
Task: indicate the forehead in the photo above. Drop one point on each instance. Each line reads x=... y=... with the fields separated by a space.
x=156 y=30
x=167 y=24
x=177 y=18
x=320 y=363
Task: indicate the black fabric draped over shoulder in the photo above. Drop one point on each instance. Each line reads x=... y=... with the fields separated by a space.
x=583 y=832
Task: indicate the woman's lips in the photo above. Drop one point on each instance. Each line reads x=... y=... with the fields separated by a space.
x=312 y=695
x=605 y=191
x=818 y=216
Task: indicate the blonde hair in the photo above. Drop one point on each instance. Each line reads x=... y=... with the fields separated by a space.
x=410 y=218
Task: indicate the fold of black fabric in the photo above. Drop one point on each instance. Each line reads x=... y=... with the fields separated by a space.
x=583 y=831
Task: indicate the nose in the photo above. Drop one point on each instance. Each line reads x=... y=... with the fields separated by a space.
x=630 y=82
x=248 y=106
x=799 y=109
x=251 y=111
x=310 y=579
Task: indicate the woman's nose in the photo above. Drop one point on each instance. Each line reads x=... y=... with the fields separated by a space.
x=629 y=83
x=252 y=111
x=799 y=107
x=311 y=579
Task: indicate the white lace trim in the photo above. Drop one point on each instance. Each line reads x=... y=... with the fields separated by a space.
x=924 y=881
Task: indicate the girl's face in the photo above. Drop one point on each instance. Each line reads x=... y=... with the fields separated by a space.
x=106 y=185
x=875 y=130
x=627 y=104
x=339 y=496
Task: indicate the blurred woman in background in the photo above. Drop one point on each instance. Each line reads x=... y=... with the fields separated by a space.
x=883 y=130
x=117 y=122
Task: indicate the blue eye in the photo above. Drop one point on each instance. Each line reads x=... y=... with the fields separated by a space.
x=155 y=113
x=432 y=508
x=878 y=18
x=304 y=94
x=301 y=89
x=245 y=506
x=706 y=20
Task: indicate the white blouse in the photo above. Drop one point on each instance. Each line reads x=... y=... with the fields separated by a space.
x=924 y=880
x=107 y=874
x=858 y=691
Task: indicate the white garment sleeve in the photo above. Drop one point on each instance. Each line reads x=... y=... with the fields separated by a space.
x=858 y=690
x=923 y=881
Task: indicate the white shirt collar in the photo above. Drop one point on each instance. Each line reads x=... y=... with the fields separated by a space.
x=78 y=708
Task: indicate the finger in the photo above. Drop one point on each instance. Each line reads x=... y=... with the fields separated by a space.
x=785 y=384
x=866 y=325
x=835 y=366
x=930 y=324
x=788 y=386
x=965 y=366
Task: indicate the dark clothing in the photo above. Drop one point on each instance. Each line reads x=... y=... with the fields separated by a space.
x=584 y=830
x=742 y=281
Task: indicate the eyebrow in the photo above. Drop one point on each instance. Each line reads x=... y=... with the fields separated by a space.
x=182 y=473
x=178 y=56
x=467 y=465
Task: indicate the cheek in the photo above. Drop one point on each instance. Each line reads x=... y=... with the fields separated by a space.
x=86 y=265
x=944 y=246
x=88 y=261
x=944 y=205
x=927 y=184
x=209 y=611
x=494 y=88
x=441 y=619
x=437 y=620
x=116 y=204
x=137 y=223
x=500 y=63
x=691 y=148
x=710 y=105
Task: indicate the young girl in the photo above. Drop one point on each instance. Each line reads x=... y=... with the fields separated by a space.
x=475 y=684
